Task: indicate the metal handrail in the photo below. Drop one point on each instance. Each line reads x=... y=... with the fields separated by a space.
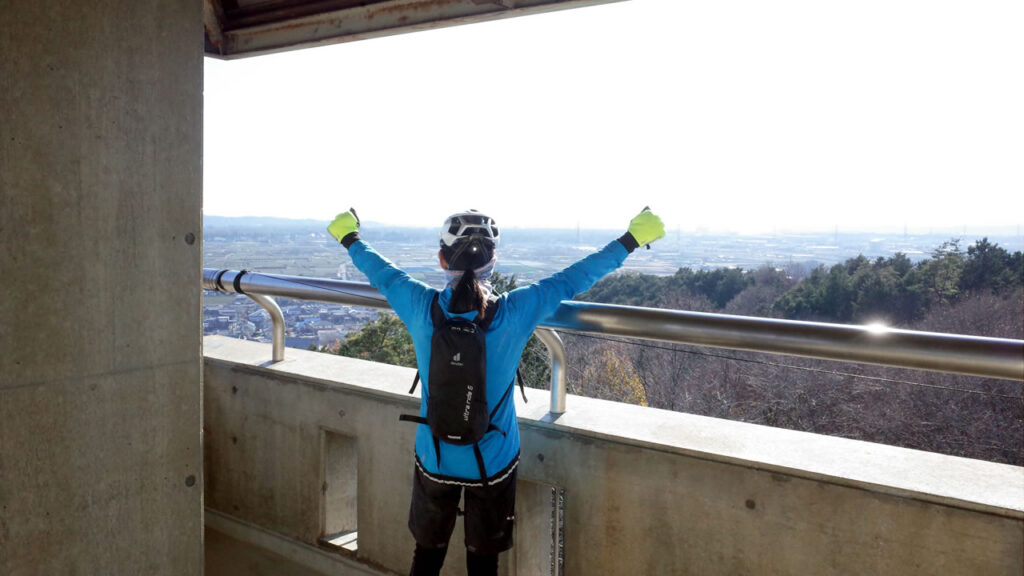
x=260 y=287
x=277 y=318
x=972 y=355
x=556 y=350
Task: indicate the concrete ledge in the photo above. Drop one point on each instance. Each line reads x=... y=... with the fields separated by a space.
x=927 y=476
x=937 y=478
x=314 y=442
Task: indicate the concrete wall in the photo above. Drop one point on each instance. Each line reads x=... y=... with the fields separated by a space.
x=100 y=258
x=634 y=490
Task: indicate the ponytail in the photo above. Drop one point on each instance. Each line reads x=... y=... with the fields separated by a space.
x=468 y=295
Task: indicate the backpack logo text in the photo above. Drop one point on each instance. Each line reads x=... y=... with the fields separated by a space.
x=469 y=400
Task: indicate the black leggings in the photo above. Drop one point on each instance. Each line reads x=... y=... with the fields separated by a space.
x=428 y=562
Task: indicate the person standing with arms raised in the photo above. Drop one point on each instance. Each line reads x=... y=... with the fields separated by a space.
x=484 y=463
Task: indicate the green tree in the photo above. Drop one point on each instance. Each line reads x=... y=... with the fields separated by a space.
x=877 y=288
x=804 y=301
x=990 y=268
x=859 y=290
x=940 y=276
x=900 y=264
x=630 y=289
x=721 y=284
x=757 y=299
x=383 y=340
x=837 y=301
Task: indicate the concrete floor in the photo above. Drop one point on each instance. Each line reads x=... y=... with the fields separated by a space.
x=226 y=556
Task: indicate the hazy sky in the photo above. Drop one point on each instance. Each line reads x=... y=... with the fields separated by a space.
x=726 y=115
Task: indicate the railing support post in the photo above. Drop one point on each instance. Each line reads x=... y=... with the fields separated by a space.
x=277 y=318
x=556 y=349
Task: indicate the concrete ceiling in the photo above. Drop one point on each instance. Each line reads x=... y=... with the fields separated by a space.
x=239 y=28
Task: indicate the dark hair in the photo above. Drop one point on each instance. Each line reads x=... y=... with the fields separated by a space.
x=467 y=255
x=468 y=295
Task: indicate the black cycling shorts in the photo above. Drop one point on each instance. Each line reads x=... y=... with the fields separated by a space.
x=489 y=514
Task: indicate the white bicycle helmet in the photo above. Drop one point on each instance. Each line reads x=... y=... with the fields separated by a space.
x=466 y=225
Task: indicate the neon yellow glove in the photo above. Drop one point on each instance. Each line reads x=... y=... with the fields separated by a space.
x=345 y=224
x=646 y=227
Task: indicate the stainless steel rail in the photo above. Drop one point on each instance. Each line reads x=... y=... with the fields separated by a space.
x=267 y=303
x=973 y=355
x=556 y=350
x=260 y=287
x=277 y=318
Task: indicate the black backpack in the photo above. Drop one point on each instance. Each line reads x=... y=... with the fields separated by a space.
x=457 y=407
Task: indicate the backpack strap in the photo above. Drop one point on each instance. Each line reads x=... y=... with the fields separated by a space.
x=519 y=376
x=480 y=461
x=491 y=427
x=437 y=443
x=438 y=318
x=422 y=420
x=504 y=396
x=436 y=313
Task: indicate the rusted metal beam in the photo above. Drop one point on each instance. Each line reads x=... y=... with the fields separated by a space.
x=265 y=13
x=280 y=26
x=213 y=21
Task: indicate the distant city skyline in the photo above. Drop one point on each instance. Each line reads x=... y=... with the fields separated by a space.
x=746 y=117
x=967 y=233
x=304 y=248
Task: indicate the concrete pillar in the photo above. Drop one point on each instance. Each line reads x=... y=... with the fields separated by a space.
x=100 y=260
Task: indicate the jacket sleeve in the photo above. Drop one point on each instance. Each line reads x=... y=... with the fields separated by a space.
x=532 y=304
x=405 y=294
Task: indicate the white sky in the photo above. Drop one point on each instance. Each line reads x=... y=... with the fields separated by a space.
x=726 y=115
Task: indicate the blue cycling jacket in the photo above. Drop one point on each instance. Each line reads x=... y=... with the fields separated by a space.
x=518 y=314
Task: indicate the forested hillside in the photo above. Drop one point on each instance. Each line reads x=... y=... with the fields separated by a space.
x=889 y=290
x=975 y=291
